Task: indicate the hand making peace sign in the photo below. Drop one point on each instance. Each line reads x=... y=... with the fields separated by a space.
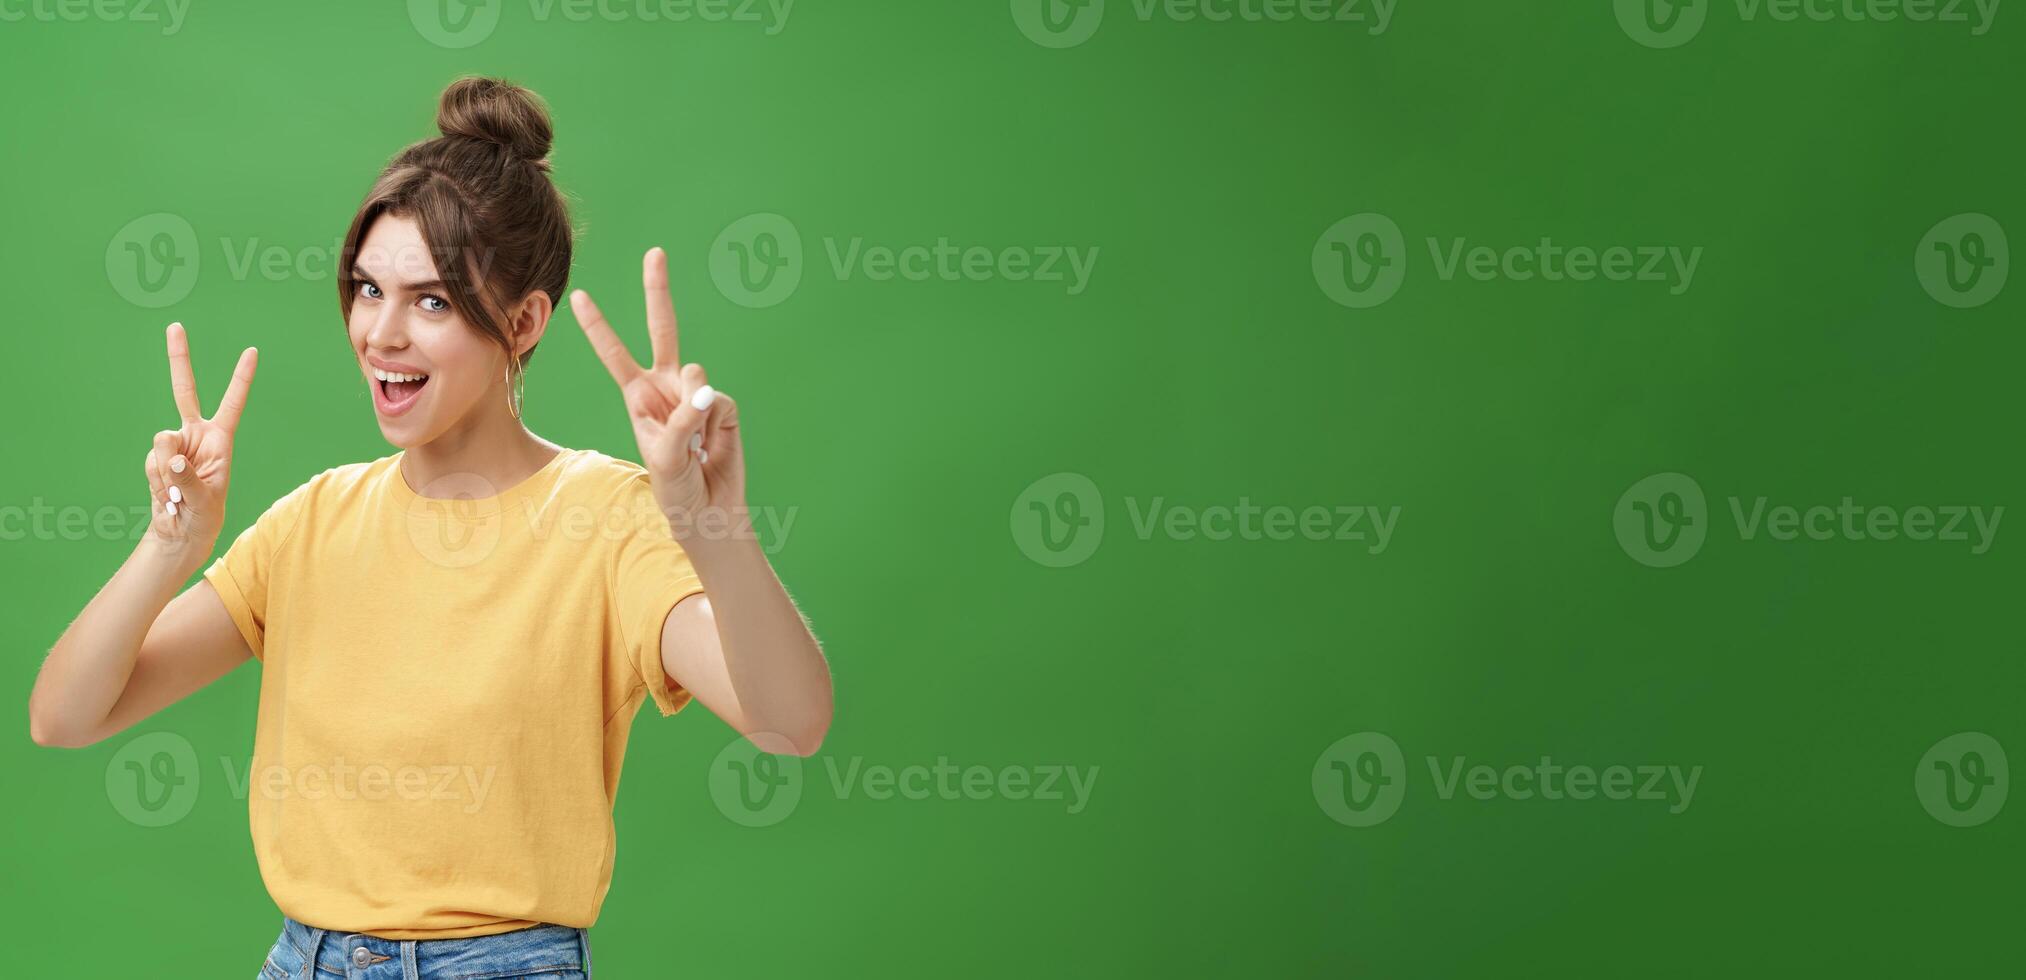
x=189 y=468
x=688 y=432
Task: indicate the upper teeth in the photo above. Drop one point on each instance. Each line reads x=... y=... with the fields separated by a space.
x=393 y=376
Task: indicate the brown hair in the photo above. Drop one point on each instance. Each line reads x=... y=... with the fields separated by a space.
x=495 y=225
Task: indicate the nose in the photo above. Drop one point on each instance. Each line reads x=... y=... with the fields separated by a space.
x=388 y=328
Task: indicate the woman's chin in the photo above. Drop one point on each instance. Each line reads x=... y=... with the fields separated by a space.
x=401 y=432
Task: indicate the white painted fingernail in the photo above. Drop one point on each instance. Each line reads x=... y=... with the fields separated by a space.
x=176 y=464
x=701 y=401
x=695 y=441
x=175 y=495
x=172 y=508
x=702 y=456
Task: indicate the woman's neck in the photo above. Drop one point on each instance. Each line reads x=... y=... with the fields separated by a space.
x=494 y=447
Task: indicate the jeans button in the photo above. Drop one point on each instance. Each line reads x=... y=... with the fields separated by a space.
x=362 y=957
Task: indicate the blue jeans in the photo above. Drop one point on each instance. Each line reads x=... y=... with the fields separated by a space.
x=547 y=952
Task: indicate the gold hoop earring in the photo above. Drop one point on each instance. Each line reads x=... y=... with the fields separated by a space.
x=516 y=389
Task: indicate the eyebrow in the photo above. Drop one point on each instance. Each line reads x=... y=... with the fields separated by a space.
x=413 y=287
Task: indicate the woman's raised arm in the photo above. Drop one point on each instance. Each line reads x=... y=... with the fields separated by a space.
x=138 y=647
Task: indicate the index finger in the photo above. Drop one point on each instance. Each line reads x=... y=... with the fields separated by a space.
x=660 y=309
x=181 y=381
x=611 y=350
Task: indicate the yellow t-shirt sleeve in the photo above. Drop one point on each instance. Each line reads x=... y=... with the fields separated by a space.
x=242 y=575
x=652 y=573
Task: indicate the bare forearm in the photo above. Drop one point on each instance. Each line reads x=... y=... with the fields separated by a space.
x=743 y=648
x=89 y=666
x=776 y=668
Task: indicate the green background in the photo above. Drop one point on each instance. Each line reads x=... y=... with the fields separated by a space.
x=1203 y=364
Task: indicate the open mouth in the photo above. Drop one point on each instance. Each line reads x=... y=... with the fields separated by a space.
x=395 y=392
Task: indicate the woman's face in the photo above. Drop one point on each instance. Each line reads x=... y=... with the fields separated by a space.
x=429 y=370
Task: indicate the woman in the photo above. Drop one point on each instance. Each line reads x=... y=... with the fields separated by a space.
x=454 y=639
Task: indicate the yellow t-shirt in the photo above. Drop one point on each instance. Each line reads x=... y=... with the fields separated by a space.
x=446 y=690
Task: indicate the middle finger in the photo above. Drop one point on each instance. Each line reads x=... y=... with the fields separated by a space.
x=661 y=331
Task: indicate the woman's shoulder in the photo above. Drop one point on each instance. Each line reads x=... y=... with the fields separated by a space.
x=591 y=469
x=588 y=477
x=320 y=494
x=346 y=477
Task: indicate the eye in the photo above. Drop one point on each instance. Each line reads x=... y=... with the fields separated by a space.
x=435 y=304
x=369 y=290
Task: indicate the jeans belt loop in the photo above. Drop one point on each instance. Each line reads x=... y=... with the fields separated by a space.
x=309 y=966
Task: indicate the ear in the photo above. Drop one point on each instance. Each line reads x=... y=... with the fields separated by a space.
x=530 y=320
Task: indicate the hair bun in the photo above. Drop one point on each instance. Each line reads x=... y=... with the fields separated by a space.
x=497 y=111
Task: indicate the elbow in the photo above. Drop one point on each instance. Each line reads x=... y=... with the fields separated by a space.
x=39 y=734
x=801 y=739
x=810 y=739
x=815 y=727
x=47 y=733
x=41 y=730
x=49 y=730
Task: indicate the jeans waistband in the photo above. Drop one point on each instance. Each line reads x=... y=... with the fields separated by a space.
x=307 y=952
